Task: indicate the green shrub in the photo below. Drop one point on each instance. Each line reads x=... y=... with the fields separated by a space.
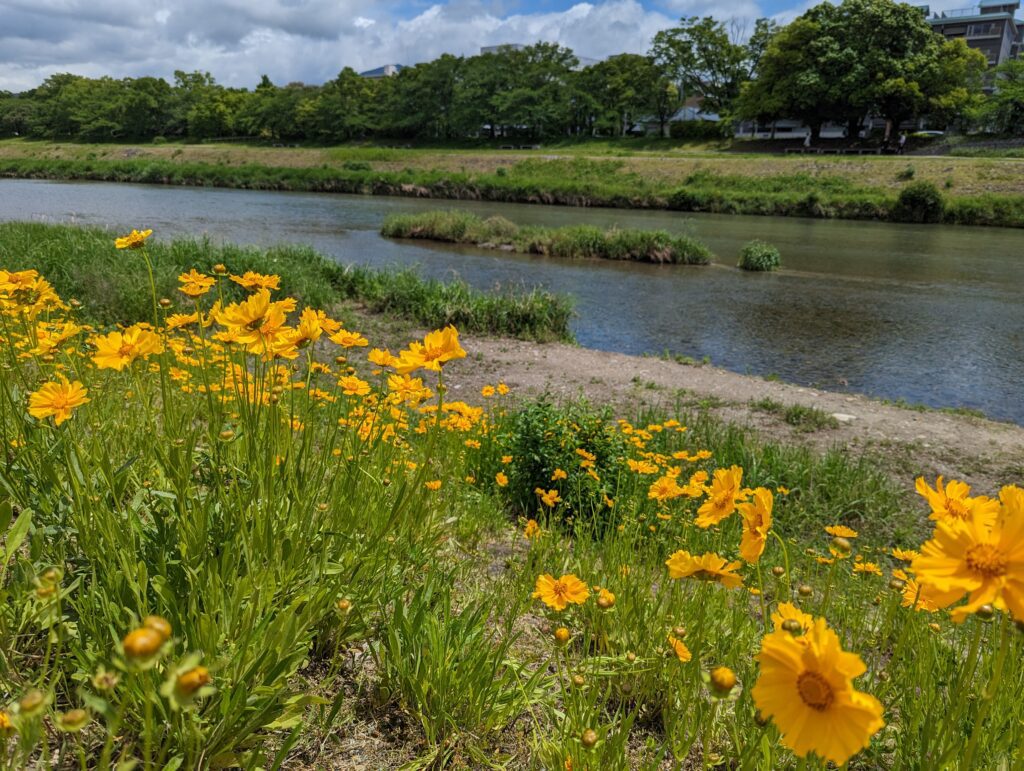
x=919 y=202
x=759 y=256
x=356 y=166
x=543 y=437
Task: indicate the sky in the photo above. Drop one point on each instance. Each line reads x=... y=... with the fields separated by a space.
x=312 y=40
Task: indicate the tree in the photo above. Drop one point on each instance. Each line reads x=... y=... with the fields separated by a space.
x=1005 y=108
x=624 y=89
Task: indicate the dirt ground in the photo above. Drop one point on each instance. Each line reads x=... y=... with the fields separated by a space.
x=984 y=453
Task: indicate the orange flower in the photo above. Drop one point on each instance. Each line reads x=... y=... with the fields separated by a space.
x=194 y=283
x=757 y=522
x=532 y=530
x=680 y=649
x=119 y=349
x=954 y=501
x=557 y=593
x=501 y=479
x=253 y=281
x=134 y=240
x=347 y=339
x=841 y=531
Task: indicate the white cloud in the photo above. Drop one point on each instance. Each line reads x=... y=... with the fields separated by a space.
x=289 y=40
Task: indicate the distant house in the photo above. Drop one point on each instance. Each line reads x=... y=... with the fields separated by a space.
x=387 y=71
x=690 y=111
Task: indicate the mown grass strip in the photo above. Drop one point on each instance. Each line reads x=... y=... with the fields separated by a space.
x=82 y=263
x=576 y=242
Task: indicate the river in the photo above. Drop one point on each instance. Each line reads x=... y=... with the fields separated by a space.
x=927 y=314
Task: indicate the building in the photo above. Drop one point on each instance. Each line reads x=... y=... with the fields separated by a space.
x=387 y=71
x=991 y=28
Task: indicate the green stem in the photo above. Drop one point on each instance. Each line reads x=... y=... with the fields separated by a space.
x=988 y=695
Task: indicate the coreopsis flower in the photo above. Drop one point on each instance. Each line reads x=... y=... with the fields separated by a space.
x=549 y=498
x=118 y=350
x=438 y=348
x=309 y=330
x=73 y=720
x=722 y=680
x=506 y=459
x=757 y=522
x=502 y=389
x=981 y=557
x=487 y=391
x=50 y=336
x=559 y=474
x=142 y=646
x=867 y=568
x=806 y=688
x=679 y=649
x=954 y=502
x=134 y=240
x=381 y=357
x=180 y=320
x=558 y=593
x=501 y=479
x=195 y=284
x=917 y=597
x=352 y=386
x=841 y=531
x=642 y=466
x=532 y=530
x=254 y=281
x=905 y=555
x=664 y=489
x=605 y=599
x=57 y=399
x=347 y=339
x=434 y=484
x=707 y=567
x=6 y=726
x=787 y=611
x=725 y=494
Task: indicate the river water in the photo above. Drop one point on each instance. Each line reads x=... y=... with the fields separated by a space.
x=927 y=314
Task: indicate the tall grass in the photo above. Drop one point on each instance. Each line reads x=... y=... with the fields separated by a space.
x=241 y=545
x=580 y=241
x=566 y=182
x=81 y=265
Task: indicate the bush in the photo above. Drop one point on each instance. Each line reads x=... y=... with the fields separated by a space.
x=543 y=437
x=919 y=202
x=694 y=129
x=759 y=256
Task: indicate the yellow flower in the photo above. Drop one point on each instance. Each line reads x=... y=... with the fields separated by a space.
x=954 y=502
x=501 y=479
x=707 y=567
x=134 y=240
x=787 y=611
x=917 y=597
x=487 y=391
x=438 y=347
x=381 y=357
x=664 y=489
x=757 y=521
x=506 y=459
x=532 y=530
x=117 y=350
x=806 y=688
x=347 y=339
x=905 y=555
x=558 y=474
x=253 y=281
x=557 y=593
x=353 y=386
x=57 y=399
x=841 y=531
x=194 y=283
x=982 y=557
x=642 y=466
x=550 y=498
x=867 y=568
x=503 y=389
x=725 y=493
x=433 y=485
x=679 y=648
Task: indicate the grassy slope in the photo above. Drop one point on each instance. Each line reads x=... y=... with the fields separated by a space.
x=978 y=191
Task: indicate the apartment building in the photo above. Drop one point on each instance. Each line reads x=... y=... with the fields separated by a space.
x=992 y=28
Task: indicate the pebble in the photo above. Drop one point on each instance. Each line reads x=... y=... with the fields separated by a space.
x=842 y=417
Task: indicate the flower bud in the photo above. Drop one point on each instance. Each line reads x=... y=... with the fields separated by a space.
x=220 y=269
x=191 y=681
x=631 y=657
x=143 y=644
x=679 y=631
x=562 y=635
x=589 y=738
x=985 y=612
x=935 y=627
x=792 y=626
x=804 y=590
x=344 y=605
x=158 y=624
x=579 y=681
x=778 y=571
x=226 y=435
x=165 y=303
x=32 y=703
x=723 y=680
x=73 y=720
x=841 y=545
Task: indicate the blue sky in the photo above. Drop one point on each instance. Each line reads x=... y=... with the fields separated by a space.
x=312 y=40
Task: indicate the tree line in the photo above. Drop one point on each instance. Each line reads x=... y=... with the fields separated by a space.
x=833 y=63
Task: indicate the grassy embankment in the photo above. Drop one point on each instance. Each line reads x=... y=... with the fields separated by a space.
x=80 y=265
x=578 y=242
x=972 y=191
x=333 y=557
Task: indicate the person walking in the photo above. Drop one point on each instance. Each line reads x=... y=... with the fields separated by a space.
x=901 y=143
x=807 y=140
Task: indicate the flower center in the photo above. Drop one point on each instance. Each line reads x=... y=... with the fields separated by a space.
x=126 y=350
x=987 y=559
x=815 y=691
x=561 y=590
x=957 y=508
